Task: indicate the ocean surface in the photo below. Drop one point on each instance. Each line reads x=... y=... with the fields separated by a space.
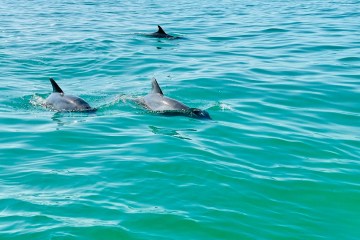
x=280 y=158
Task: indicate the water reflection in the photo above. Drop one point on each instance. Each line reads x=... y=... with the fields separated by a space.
x=171 y=132
x=70 y=118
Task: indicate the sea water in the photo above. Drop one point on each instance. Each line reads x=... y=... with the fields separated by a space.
x=279 y=160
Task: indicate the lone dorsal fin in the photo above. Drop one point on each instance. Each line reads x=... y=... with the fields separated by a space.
x=56 y=87
x=155 y=87
x=161 y=30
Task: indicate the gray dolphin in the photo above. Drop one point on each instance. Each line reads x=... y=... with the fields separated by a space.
x=157 y=102
x=162 y=34
x=60 y=102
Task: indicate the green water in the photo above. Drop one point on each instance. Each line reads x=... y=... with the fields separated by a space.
x=279 y=160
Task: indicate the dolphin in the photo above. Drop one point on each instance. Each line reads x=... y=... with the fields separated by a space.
x=157 y=102
x=162 y=34
x=58 y=101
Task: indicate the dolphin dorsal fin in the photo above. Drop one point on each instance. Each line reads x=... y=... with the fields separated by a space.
x=56 y=87
x=155 y=87
x=161 y=30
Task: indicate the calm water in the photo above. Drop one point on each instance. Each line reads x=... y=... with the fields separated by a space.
x=280 y=160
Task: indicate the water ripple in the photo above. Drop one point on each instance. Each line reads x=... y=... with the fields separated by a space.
x=278 y=161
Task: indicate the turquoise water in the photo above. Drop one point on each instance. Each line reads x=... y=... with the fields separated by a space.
x=279 y=160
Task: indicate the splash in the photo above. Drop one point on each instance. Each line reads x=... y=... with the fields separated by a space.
x=37 y=101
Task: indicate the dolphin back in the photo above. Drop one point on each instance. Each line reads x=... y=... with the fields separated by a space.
x=58 y=101
x=162 y=34
x=156 y=101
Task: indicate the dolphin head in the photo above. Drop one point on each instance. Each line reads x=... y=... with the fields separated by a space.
x=198 y=113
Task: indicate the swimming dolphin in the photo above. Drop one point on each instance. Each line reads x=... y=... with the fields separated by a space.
x=60 y=102
x=162 y=34
x=157 y=102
